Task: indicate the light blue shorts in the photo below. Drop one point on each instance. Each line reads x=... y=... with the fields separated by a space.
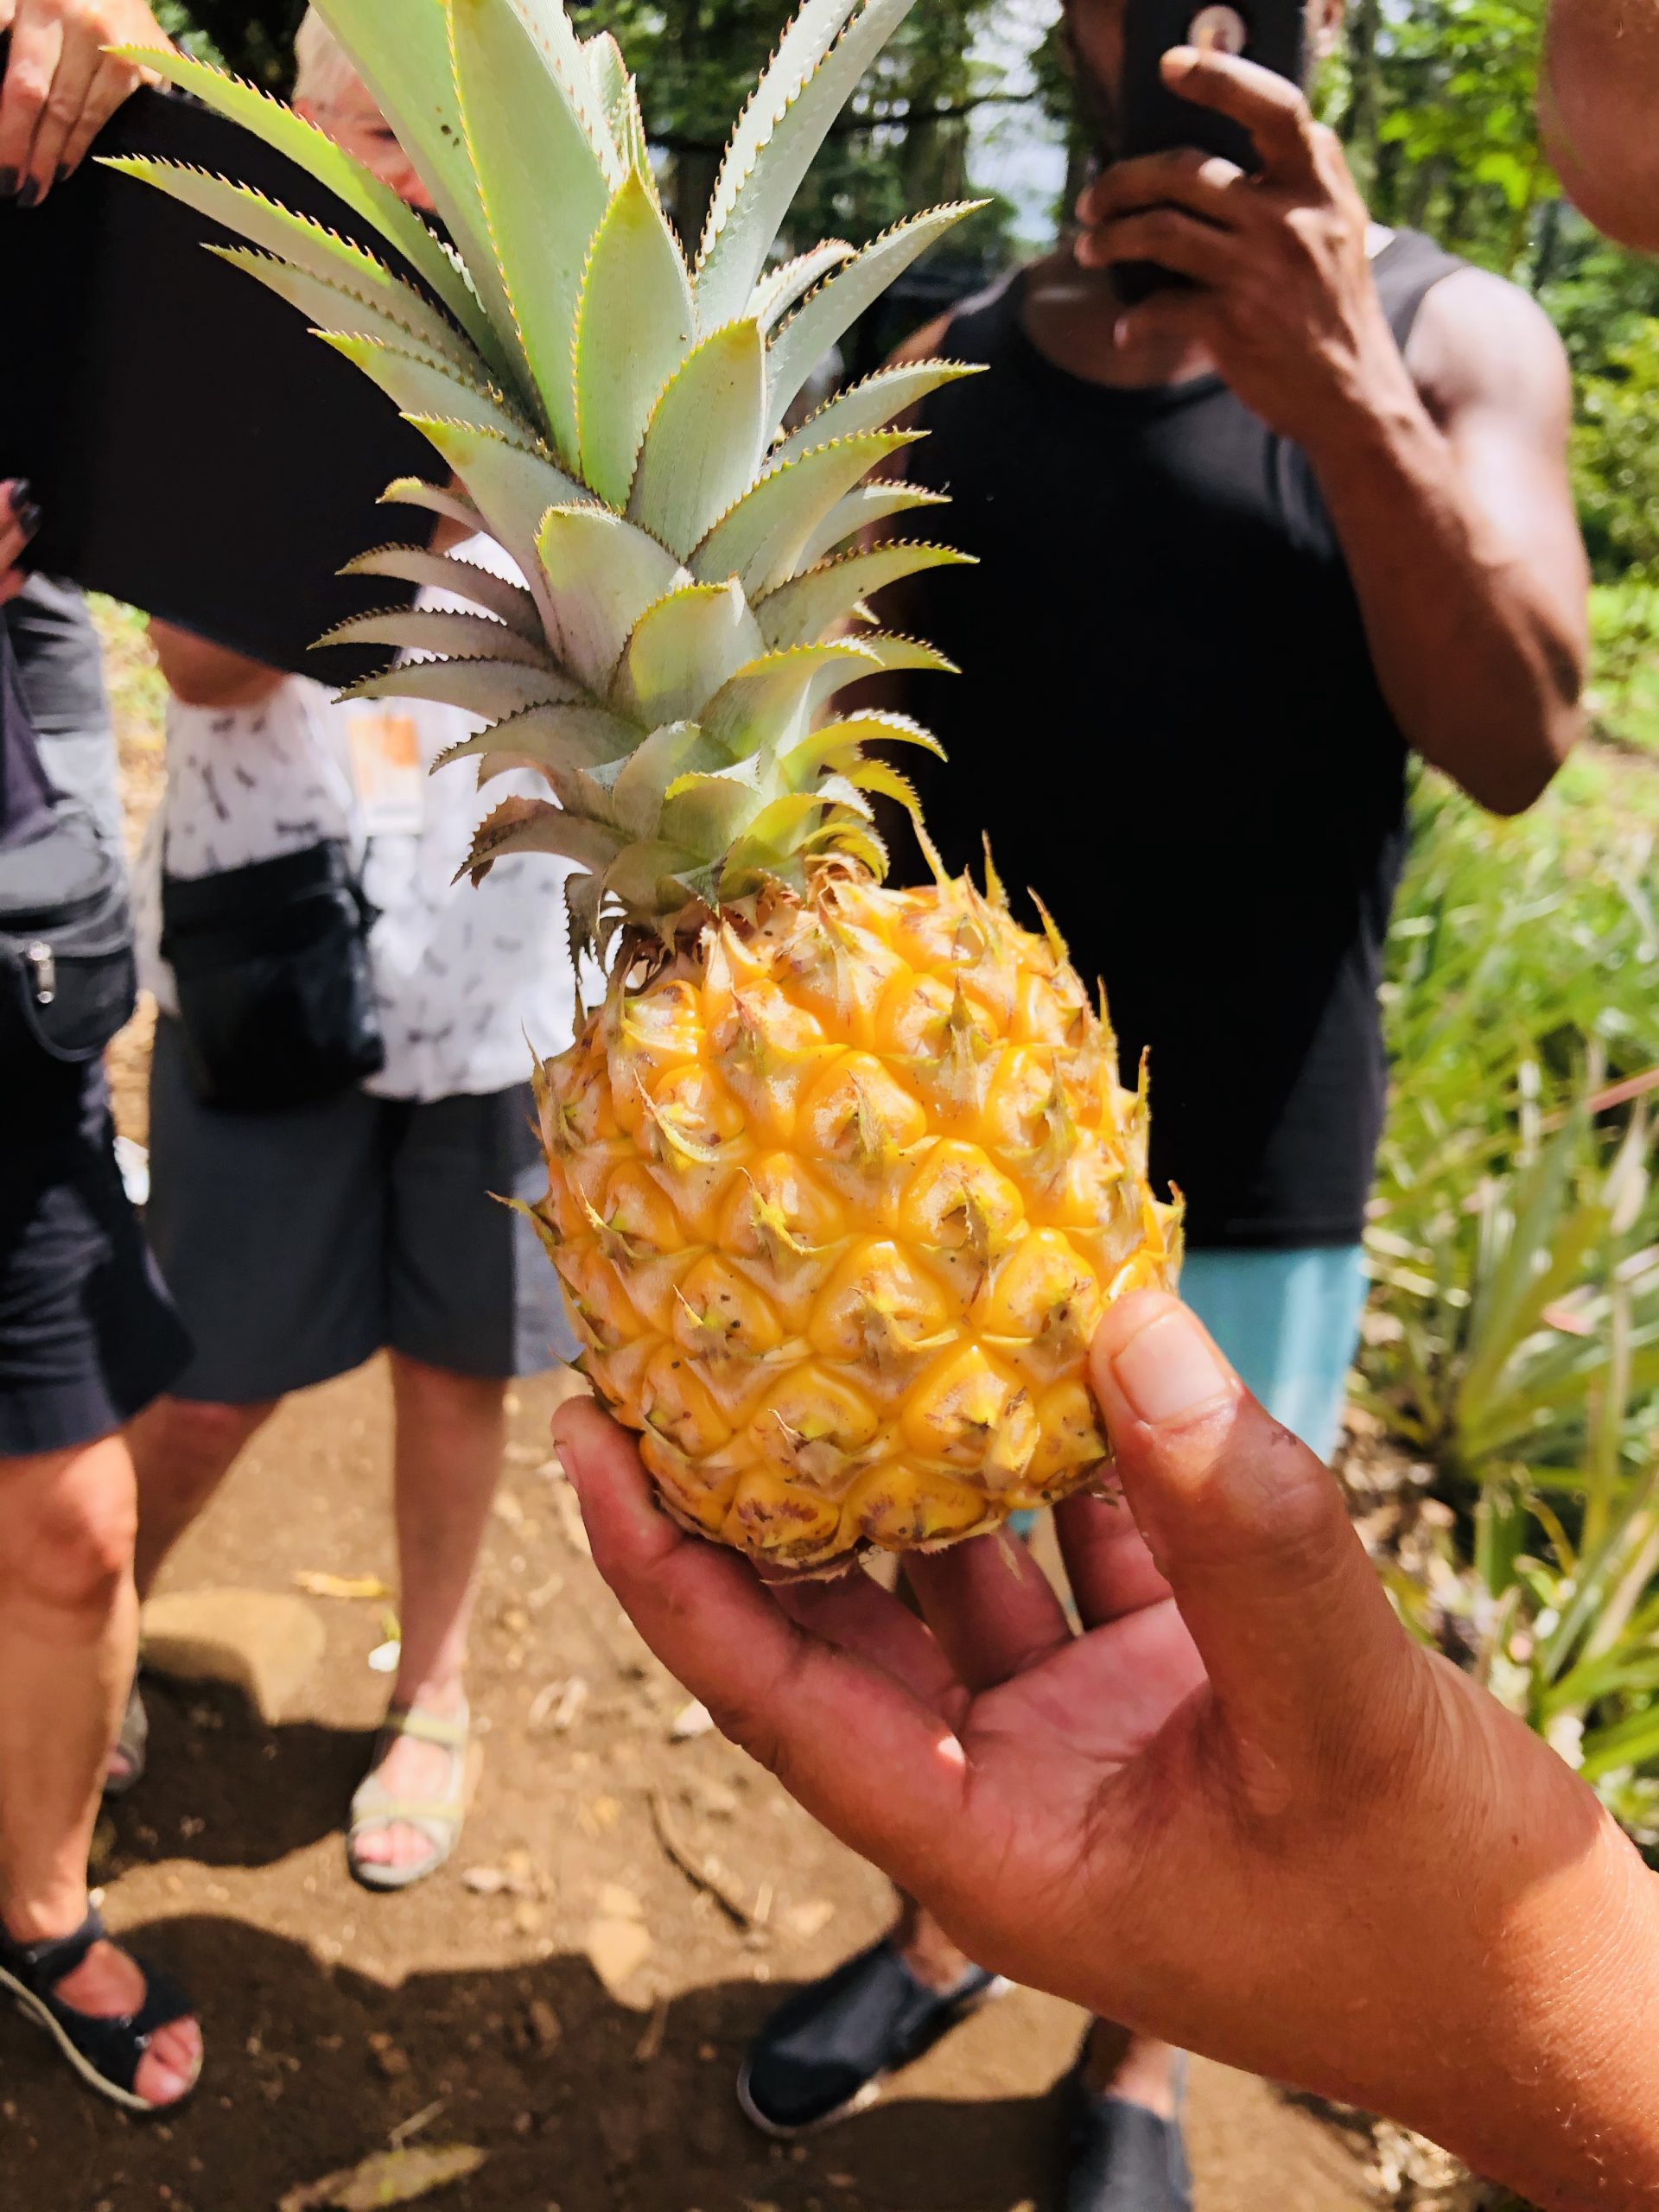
x=1289 y=1322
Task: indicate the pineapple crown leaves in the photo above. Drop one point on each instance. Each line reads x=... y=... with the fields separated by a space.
x=615 y=415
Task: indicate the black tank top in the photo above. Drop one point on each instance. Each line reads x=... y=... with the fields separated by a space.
x=1170 y=724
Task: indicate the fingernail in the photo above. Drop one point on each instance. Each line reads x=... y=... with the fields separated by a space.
x=17 y=494
x=8 y=182
x=568 y=1460
x=61 y=171
x=1170 y=1370
x=28 y=193
x=28 y=519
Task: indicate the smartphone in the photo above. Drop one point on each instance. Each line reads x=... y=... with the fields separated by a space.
x=1155 y=120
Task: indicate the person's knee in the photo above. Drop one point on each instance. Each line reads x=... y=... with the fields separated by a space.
x=188 y=1444
x=71 y=1529
x=443 y=1392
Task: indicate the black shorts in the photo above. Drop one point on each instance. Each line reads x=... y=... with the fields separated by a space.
x=302 y=1242
x=88 y=1336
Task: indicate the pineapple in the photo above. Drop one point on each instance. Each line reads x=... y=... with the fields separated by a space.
x=840 y=1176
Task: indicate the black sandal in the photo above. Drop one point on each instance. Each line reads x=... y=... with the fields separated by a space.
x=106 y=2053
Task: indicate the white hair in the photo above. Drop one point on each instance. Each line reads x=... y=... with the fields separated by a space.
x=324 y=78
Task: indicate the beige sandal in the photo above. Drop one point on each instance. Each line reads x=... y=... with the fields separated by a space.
x=374 y=1808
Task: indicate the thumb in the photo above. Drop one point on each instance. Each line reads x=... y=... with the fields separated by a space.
x=1249 y=1529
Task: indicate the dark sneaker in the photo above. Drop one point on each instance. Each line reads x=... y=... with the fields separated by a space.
x=826 y=2051
x=1121 y=2157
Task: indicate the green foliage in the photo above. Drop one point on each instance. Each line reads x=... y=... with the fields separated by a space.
x=257 y=41
x=1616 y=456
x=1622 y=697
x=1513 y=1342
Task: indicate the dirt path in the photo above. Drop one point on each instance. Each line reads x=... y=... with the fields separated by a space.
x=336 y=2016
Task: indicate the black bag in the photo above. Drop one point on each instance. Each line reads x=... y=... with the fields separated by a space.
x=271 y=965
x=68 y=979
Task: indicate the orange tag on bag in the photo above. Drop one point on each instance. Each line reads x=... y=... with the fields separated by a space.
x=386 y=770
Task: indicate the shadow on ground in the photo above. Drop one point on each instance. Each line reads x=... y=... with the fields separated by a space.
x=537 y=2066
x=225 y=1790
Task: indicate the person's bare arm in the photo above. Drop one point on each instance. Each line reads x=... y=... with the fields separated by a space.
x=203 y=675
x=1458 y=531
x=1242 y=1811
x=60 y=86
x=1598 y=96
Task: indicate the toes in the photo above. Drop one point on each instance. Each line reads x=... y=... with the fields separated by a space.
x=168 y=2069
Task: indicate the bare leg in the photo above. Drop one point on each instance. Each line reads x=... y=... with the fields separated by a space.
x=183 y=1448
x=68 y=1634
x=451 y=1432
x=1117 y=2062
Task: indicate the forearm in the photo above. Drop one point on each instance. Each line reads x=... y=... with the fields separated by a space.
x=1474 y=655
x=1554 y=2089
x=202 y=675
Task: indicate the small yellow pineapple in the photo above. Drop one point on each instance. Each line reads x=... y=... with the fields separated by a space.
x=836 y=1197
x=840 y=1176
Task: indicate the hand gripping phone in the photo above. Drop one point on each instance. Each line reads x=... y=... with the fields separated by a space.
x=1155 y=120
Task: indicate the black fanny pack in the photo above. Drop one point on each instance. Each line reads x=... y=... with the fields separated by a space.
x=66 y=972
x=271 y=965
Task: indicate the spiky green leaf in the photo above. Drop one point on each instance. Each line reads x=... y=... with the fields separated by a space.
x=401 y=50
x=866 y=509
x=702 y=444
x=414 y=564
x=761 y=539
x=490 y=689
x=532 y=151
x=318 y=155
x=779 y=288
x=436 y=499
x=797 y=98
x=873 y=404
x=436 y=630
x=334 y=308
x=512 y=484
x=533 y=825
x=834 y=307
x=682 y=649
x=774 y=696
x=803 y=609
x=422 y=386
x=603 y=573
x=635 y=324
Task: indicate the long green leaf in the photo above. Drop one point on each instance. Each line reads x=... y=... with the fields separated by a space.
x=334 y=308
x=806 y=39
x=803 y=609
x=400 y=48
x=436 y=630
x=873 y=404
x=491 y=689
x=532 y=151
x=348 y=179
x=760 y=540
x=415 y=565
x=834 y=308
x=603 y=573
x=702 y=448
x=866 y=509
x=635 y=324
x=421 y=386
x=682 y=650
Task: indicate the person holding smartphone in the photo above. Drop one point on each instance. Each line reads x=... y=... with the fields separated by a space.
x=1245 y=544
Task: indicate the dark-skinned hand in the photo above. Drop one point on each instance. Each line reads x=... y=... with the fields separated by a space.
x=1283 y=296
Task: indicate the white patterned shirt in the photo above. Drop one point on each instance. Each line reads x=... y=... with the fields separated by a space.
x=469 y=982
